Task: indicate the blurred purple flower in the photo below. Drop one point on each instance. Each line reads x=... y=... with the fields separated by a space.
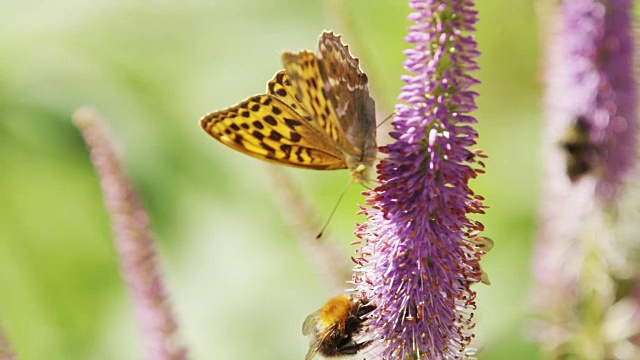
x=134 y=244
x=591 y=78
x=579 y=260
x=421 y=251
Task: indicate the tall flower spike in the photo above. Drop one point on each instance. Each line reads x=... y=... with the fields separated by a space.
x=6 y=353
x=592 y=94
x=134 y=243
x=421 y=251
x=327 y=258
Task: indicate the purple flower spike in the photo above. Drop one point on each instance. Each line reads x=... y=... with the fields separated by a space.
x=591 y=80
x=421 y=251
x=6 y=353
x=134 y=243
x=614 y=117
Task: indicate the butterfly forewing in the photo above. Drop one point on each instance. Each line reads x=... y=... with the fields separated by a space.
x=266 y=128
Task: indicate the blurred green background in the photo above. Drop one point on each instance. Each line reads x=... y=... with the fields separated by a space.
x=239 y=281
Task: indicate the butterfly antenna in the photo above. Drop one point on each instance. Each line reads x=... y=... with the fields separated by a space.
x=386 y=119
x=344 y=191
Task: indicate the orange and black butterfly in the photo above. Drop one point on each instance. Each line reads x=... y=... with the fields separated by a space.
x=317 y=114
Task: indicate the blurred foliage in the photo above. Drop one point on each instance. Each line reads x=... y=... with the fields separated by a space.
x=239 y=281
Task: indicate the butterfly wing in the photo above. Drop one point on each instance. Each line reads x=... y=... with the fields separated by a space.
x=273 y=127
x=303 y=70
x=281 y=87
x=346 y=87
x=358 y=149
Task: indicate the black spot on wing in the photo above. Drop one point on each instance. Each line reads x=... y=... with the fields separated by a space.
x=286 y=149
x=270 y=120
x=258 y=125
x=292 y=123
x=275 y=136
x=258 y=135
x=299 y=154
x=268 y=148
x=309 y=94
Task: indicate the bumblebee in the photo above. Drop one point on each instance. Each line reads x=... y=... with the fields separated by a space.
x=577 y=148
x=333 y=327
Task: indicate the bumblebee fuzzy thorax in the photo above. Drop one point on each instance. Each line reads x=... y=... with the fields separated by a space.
x=336 y=312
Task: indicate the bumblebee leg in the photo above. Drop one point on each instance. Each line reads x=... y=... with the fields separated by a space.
x=352 y=348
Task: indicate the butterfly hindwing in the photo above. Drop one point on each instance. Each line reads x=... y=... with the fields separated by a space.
x=281 y=87
x=303 y=71
x=346 y=87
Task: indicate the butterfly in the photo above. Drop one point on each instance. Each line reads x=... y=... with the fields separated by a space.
x=317 y=114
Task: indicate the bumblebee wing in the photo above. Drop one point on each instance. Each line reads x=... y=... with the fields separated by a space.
x=309 y=323
x=317 y=339
x=309 y=328
x=311 y=353
x=314 y=345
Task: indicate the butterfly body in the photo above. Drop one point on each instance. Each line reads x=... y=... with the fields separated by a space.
x=317 y=114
